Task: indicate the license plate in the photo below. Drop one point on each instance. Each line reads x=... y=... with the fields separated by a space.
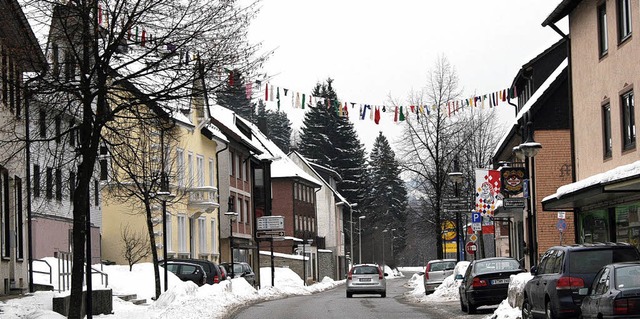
x=365 y=279
x=499 y=281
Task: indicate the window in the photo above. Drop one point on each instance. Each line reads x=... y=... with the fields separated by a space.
x=58 y=127
x=245 y=211
x=202 y=235
x=96 y=192
x=42 y=123
x=189 y=168
x=628 y=121
x=180 y=166
x=212 y=179
x=232 y=163
x=200 y=170
x=58 y=184
x=36 y=180
x=169 y=233
x=239 y=166
x=624 y=20
x=239 y=210
x=4 y=213
x=213 y=236
x=182 y=233
x=19 y=225
x=72 y=184
x=603 y=38
x=49 y=186
x=606 y=130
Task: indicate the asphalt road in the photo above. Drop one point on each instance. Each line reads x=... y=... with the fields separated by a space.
x=334 y=304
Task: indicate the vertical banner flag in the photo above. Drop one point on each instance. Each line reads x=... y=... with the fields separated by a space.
x=487 y=191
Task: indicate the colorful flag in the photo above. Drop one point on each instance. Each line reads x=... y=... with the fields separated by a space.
x=487 y=191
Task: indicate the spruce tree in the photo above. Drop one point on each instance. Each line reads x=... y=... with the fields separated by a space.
x=275 y=125
x=387 y=198
x=331 y=140
x=233 y=95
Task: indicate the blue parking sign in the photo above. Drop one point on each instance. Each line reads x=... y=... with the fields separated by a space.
x=475 y=217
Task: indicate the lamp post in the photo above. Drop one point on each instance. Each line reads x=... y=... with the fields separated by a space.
x=164 y=195
x=351 y=206
x=530 y=149
x=393 y=256
x=384 y=261
x=232 y=216
x=360 y=238
x=456 y=177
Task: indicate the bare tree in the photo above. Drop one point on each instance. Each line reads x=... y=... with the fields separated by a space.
x=106 y=58
x=136 y=246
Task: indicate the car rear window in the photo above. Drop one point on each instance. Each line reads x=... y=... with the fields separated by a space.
x=439 y=266
x=368 y=270
x=489 y=266
x=590 y=261
x=628 y=276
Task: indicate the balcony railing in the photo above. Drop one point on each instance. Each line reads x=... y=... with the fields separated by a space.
x=202 y=198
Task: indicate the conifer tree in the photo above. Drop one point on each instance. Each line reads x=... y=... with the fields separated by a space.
x=387 y=198
x=233 y=95
x=275 y=125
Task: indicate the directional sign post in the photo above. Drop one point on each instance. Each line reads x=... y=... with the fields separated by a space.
x=269 y=233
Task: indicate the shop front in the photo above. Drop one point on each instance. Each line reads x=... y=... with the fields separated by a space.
x=606 y=206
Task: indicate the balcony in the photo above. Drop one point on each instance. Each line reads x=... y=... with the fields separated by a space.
x=202 y=199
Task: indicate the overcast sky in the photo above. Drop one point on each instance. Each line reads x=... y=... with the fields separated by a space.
x=374 y=49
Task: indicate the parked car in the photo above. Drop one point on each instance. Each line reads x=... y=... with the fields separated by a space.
x=553 y=292
x=366 y=279
x=223 y=273
x=486 y=282
x=240 y=269
x=615 y=292
x=460 y=270
x=187 y=271
x=435 y=272
x=211 y=269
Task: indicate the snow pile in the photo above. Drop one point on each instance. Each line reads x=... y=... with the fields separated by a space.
x=447 y=291
x=181 y=300
x=510 y=308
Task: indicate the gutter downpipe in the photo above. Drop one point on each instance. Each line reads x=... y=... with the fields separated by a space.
x=570 y=100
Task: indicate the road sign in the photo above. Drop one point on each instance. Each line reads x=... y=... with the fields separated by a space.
x=456 y=210
x=270 y=223
x=561 y=225
x=473 y=238
x=471 y=248
x=513 y=202
x=476 y=217
x=476 y=226
x=269 y=234
x=562 y=215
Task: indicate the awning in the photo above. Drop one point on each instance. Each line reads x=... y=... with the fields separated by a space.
x=618 y=183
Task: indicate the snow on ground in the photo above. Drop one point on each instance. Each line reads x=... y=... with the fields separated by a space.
x=187 y=300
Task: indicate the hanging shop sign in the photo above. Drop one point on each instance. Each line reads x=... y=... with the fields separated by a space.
x=512 y=179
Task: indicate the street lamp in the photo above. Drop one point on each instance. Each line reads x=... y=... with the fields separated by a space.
x=351 y=206
x=383 y=257
x=530 y=149
x=360 y=238
x=232 y=216
x=456 y=177
x=165 y=196
x=393 y=256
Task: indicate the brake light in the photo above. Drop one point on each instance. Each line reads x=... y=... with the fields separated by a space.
x=626 y=306
x=566 y=283
x=216 y=279
x=380 y=275
x=426 y=271
x=350 y=275
x=477 y=282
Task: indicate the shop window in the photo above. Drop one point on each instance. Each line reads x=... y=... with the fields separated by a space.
x=593 y=227
x=628 y=224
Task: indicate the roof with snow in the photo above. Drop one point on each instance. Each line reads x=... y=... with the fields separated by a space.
x=313 y=167
x=226 y=120
x=610 y=185
x=281 y=166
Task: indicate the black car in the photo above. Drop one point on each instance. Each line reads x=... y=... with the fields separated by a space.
x=553 y=292
x=615 y=292
x=187 y=271
x=486 y=282
x=240 y=269
x=211 y=269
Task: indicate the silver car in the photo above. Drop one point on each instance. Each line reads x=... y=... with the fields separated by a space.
x=435 y=273
x=366 y=279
